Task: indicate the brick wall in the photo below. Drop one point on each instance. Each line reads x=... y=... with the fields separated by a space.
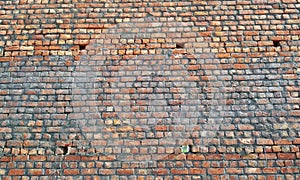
x=95 y=89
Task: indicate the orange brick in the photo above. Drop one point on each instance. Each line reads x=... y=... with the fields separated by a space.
x=197 y=171
x=252 y=170
x=234 y=170
x=179 y=171
x=35 y=172
x=71 y=172
x=286 y=155
x=37 y=158
x=270 y=170
x=216 y=171
x=125 y=171
x=240 y=66
x=195 y=157
x=223 y=55
x=161 y=171
x=16 y=172
x=107 y=171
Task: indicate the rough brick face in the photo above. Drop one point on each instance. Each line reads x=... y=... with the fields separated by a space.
x=149 y=90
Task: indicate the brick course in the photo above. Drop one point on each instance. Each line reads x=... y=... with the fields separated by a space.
x=115 y=89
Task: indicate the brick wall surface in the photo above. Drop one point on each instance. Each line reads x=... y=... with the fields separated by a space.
x=147 y=89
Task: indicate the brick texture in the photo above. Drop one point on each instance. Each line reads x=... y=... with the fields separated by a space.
x=95 y=89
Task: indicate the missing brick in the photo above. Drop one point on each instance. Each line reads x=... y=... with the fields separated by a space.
x=276 y=43
x=65 y=149
x=82 y=46
x=180 y=45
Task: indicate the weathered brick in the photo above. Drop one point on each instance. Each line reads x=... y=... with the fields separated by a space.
x=197 y=171
x=252 y=170
x=234 y=170
x=72 y=158
x=261 y=141
x=35 y=172
x=179 y=171
x=286 y=155
x=5 y=159
x=161 y=171
x=16 y=172
x=88 y=171
x=195 y=157
x=71 y=172
x=216 y=171
x=240 y=66
x=125 y=171
x=107 y=171
x=213 y=156
x=37 y=158
x=232 y=156
x=269 y=170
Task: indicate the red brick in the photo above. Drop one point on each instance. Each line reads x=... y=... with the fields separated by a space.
x=5 y=130
x=179 y=171
x=193 y=67
x=234 y=171
x=216 y=171
x=72 y=158
x=20 y=158
x=14 y=143
x=29 y=143
x=250 y=156
x=262 y=141
x=223 y=55
x=37 y=158
x=295 y=113
x=89 y=158
x=180 y=157
x=196 y=157
x=286 y=155
x=270 y=170
x=5 y=159
x=296 y=141
x=282 y=142
x=106 y=171
x=161 y=128
x=229 y=141
x=125 y=129
x=197 y=171
x=125 y=171
x=161 y=171
x=251 y=33
x=88 y=171
x=107 y=158
x=232 y=156
x=16 y=172
x=289 y=170
x=208 y=33
x=282 y=32
x=211 y=66
x=240 y=66
x=35 y=172
x=71 y=171
x=252 y=170
x=268 y=156
x=214 y=156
